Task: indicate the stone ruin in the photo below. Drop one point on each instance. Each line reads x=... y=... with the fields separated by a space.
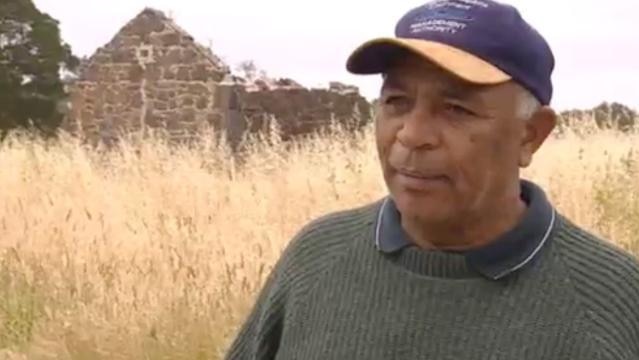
x=153 y=74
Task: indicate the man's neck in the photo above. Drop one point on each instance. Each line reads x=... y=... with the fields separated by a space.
x=471 y=232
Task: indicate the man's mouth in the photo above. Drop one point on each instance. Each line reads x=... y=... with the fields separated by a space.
x=425 y=175
x=420 y=180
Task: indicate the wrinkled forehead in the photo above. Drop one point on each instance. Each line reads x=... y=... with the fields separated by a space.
x=411 y=78
x=411 y=72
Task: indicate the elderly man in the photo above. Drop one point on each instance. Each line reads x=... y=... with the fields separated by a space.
x=463 y=260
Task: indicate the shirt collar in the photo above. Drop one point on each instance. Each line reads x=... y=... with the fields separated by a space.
x=508 y=253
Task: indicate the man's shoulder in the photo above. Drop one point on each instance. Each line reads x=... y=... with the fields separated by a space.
x=336 y=224
x=587 y=251
x=327 y=236
x=605 y=275
x=606 y=280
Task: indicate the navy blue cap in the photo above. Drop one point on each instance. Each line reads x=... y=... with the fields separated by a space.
x=482 y=41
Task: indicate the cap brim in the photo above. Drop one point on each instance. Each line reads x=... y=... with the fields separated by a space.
x=375 y=56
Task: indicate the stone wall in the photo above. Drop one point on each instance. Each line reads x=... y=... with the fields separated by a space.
x=302 y=111
x=152 y=74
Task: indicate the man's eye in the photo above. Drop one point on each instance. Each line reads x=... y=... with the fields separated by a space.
x=392 y=99
x=459 y=110
x=396 y=100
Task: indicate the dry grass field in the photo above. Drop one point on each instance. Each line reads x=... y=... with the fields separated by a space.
x=148 y=252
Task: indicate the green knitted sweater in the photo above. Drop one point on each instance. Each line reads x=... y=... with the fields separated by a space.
x=332 y=295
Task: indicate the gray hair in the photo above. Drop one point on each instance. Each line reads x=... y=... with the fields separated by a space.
x=527 y=105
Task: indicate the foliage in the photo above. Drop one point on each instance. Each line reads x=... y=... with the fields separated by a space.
x=605 y=115
x=32 y=60
x=617 y=199
x=249 y=71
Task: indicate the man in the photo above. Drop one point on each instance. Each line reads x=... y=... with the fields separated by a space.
x=463 y=260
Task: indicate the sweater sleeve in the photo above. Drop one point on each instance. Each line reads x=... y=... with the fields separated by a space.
x=312 y=250
x=258 y=337
x=606 y=279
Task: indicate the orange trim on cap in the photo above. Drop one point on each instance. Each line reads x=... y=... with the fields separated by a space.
x=373 y=56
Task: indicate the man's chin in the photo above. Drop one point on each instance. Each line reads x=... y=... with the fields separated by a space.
x=424 y=206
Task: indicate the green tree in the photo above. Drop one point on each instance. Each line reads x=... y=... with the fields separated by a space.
x=32 y=60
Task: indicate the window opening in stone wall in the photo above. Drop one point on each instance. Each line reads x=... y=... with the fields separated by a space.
x=145 y=54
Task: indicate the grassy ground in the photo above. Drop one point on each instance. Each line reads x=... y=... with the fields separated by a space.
x=147 y=253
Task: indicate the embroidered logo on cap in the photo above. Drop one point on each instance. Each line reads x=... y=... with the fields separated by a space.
x=446 y=16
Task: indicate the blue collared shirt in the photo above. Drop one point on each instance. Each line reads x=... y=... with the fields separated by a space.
x=510 y=252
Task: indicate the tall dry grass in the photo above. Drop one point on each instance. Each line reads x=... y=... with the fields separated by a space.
x=149 y=252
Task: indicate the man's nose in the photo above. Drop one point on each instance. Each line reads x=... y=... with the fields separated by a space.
x=419 y=130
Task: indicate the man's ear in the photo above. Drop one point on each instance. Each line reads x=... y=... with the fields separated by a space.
x=536 y=131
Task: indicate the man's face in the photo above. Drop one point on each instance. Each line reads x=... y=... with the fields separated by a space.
x=450 y=150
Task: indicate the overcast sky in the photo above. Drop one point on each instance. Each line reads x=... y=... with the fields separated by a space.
x=596 y=43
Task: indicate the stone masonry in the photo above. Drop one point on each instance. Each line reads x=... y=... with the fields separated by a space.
x=153 y=74
x=301 y=111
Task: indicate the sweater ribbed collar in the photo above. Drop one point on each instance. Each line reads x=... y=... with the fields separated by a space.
x=510 y=252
